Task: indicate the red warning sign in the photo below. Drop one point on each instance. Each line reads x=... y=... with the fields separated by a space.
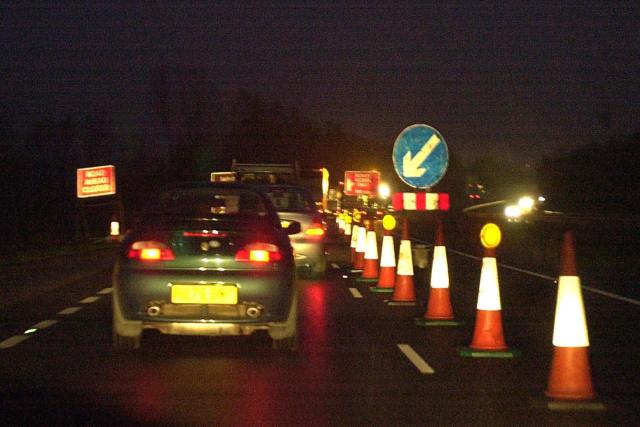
x=96 y=181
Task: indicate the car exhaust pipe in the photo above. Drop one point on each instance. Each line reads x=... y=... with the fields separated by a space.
x=253 y=312
x=153 y=310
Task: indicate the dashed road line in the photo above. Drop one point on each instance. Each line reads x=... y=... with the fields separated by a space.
x=70 y=310
x=44 y=324
x=14 y=340
x=356 y=293
x=89 y=300
x=105 y=291
x=335 y=266
x=415 y=358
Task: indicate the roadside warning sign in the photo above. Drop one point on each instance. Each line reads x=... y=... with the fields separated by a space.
x=96 y=181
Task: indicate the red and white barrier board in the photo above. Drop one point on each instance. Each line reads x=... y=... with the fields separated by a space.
x=420 y=201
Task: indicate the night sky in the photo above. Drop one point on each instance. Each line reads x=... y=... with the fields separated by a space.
x=526 y=79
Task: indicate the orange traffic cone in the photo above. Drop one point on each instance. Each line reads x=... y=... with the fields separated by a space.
x=404 y=290
x=361 y=246
x=371 y=267
x=347 y=229
x=439 y=306
x=488 y=334
x=570 y=376
x=387 y=272
x=354 y=242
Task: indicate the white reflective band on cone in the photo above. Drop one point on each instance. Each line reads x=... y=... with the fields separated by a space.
x=387 y=257
x=405 y=262
x=439 y=269
x=570 y=324
x=371 y=250
x=489 y=293
x=354 y=236
x=361 y=244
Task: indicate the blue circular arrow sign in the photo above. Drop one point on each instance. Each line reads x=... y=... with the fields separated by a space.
x=420 y=156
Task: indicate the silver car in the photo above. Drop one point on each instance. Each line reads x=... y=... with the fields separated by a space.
x=294 y=203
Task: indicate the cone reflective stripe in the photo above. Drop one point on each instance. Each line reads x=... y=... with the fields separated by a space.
x=439 y=306
x=354 y=242
x=387 y=275
x=370 y=268
x=439 y=268
x=488 y=333
x=361 y=246
x=570 y=375
x=570 y=324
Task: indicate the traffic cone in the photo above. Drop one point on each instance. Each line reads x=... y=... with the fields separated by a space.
x=361 y=246
x=404 y=290
x=387 y=271
x=340 y=223
x=439 y=310
x=371 y=265
x=570 y=376
x=347 y=230
x=439 y=306
x=354 y=242
x=488 y=333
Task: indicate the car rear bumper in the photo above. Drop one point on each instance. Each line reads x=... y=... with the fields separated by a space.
x=263 y=297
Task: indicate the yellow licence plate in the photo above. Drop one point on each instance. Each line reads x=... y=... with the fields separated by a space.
x=204 y=294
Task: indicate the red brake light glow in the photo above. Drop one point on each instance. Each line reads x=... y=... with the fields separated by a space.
x=150 y=251
x=259 y=252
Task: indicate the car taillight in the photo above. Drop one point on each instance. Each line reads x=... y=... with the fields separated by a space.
x=259 y=252
x=315 y=230
x=150 y=250
x=317 y=227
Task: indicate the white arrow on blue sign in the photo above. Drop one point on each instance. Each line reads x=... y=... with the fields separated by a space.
x=420 y=156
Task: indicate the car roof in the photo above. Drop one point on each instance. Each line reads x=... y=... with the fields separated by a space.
x=283 y=186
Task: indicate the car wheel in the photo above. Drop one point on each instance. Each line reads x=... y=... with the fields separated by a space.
x=285 y=337
x=126 y=334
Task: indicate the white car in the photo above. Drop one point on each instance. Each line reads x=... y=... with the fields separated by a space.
x=295 y=203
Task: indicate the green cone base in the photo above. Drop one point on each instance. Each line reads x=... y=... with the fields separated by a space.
x=379 y=290
x=488 y=354
x=421 y=321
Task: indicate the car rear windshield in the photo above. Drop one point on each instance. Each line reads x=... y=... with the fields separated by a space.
x=290 y=199
x=202 y=203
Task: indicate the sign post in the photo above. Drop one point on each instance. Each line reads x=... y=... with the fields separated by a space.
x=93 y=182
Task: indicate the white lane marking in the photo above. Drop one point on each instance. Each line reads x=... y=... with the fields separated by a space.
x=14 y=340
x=356 y=293
x=415 y=358
x=335 y=266
x=89 y=300
x=44 y=324
x=105 y=291
x=555 y=279
x=70 y=310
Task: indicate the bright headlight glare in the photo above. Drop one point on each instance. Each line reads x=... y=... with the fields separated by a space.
x=526 y=203
x=512 y=211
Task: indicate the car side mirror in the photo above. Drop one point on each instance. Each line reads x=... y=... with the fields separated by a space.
x=291 y=227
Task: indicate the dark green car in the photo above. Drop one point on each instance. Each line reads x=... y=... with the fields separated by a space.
x=206 y=259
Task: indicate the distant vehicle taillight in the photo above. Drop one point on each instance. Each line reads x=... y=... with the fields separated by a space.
x=315 y=230
x=259 y=252
x=150 y=250
x=317 y=227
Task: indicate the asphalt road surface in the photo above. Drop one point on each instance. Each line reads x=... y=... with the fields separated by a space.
x=361 y=361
